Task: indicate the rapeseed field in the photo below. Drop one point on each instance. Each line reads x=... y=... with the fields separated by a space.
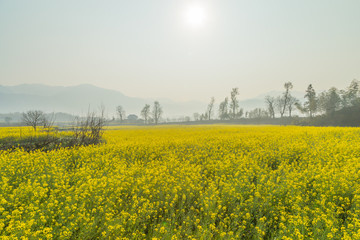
x=187 y=182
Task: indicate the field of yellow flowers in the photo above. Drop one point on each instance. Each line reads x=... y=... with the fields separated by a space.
x=187 y=182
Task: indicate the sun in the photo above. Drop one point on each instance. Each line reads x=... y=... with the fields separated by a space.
x=195 y=16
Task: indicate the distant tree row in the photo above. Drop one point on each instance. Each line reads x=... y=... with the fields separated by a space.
x=327 y=102
x=284 y=105
x=228 y=109
x=149 y=115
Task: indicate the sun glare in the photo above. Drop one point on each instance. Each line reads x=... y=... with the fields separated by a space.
x=195 y=16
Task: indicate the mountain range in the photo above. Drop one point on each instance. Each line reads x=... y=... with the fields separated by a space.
x=79 y=99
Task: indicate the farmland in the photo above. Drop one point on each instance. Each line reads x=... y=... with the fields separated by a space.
x=187 y=182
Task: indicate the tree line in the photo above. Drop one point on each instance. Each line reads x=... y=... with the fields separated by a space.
x=150 y=115
x=326 y=103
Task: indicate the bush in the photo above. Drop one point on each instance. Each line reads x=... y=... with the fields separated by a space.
x=89 y=130
x=86 y=131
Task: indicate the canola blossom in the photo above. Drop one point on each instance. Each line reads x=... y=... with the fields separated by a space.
x=187 y=182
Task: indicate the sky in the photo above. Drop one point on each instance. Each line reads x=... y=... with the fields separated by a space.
x=180 y=49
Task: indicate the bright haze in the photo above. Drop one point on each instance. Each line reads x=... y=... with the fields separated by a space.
x=181 y=50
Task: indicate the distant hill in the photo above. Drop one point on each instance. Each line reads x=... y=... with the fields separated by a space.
x=78 y=99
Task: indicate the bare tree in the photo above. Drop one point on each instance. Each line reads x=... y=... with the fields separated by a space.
x=210 y=108
x=223 y=109
x=291 y=103
x=283 y=101
x=234 y=105
x=279 y=104
x=157 y=112
x=89 y=129
x=145 y=113
x=121 y=112
x=33 y=118
x=270 y=103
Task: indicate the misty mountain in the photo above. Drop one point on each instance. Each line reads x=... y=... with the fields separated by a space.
x=78 y=99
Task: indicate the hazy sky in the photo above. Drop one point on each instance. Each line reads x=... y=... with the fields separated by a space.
x=182 y=50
